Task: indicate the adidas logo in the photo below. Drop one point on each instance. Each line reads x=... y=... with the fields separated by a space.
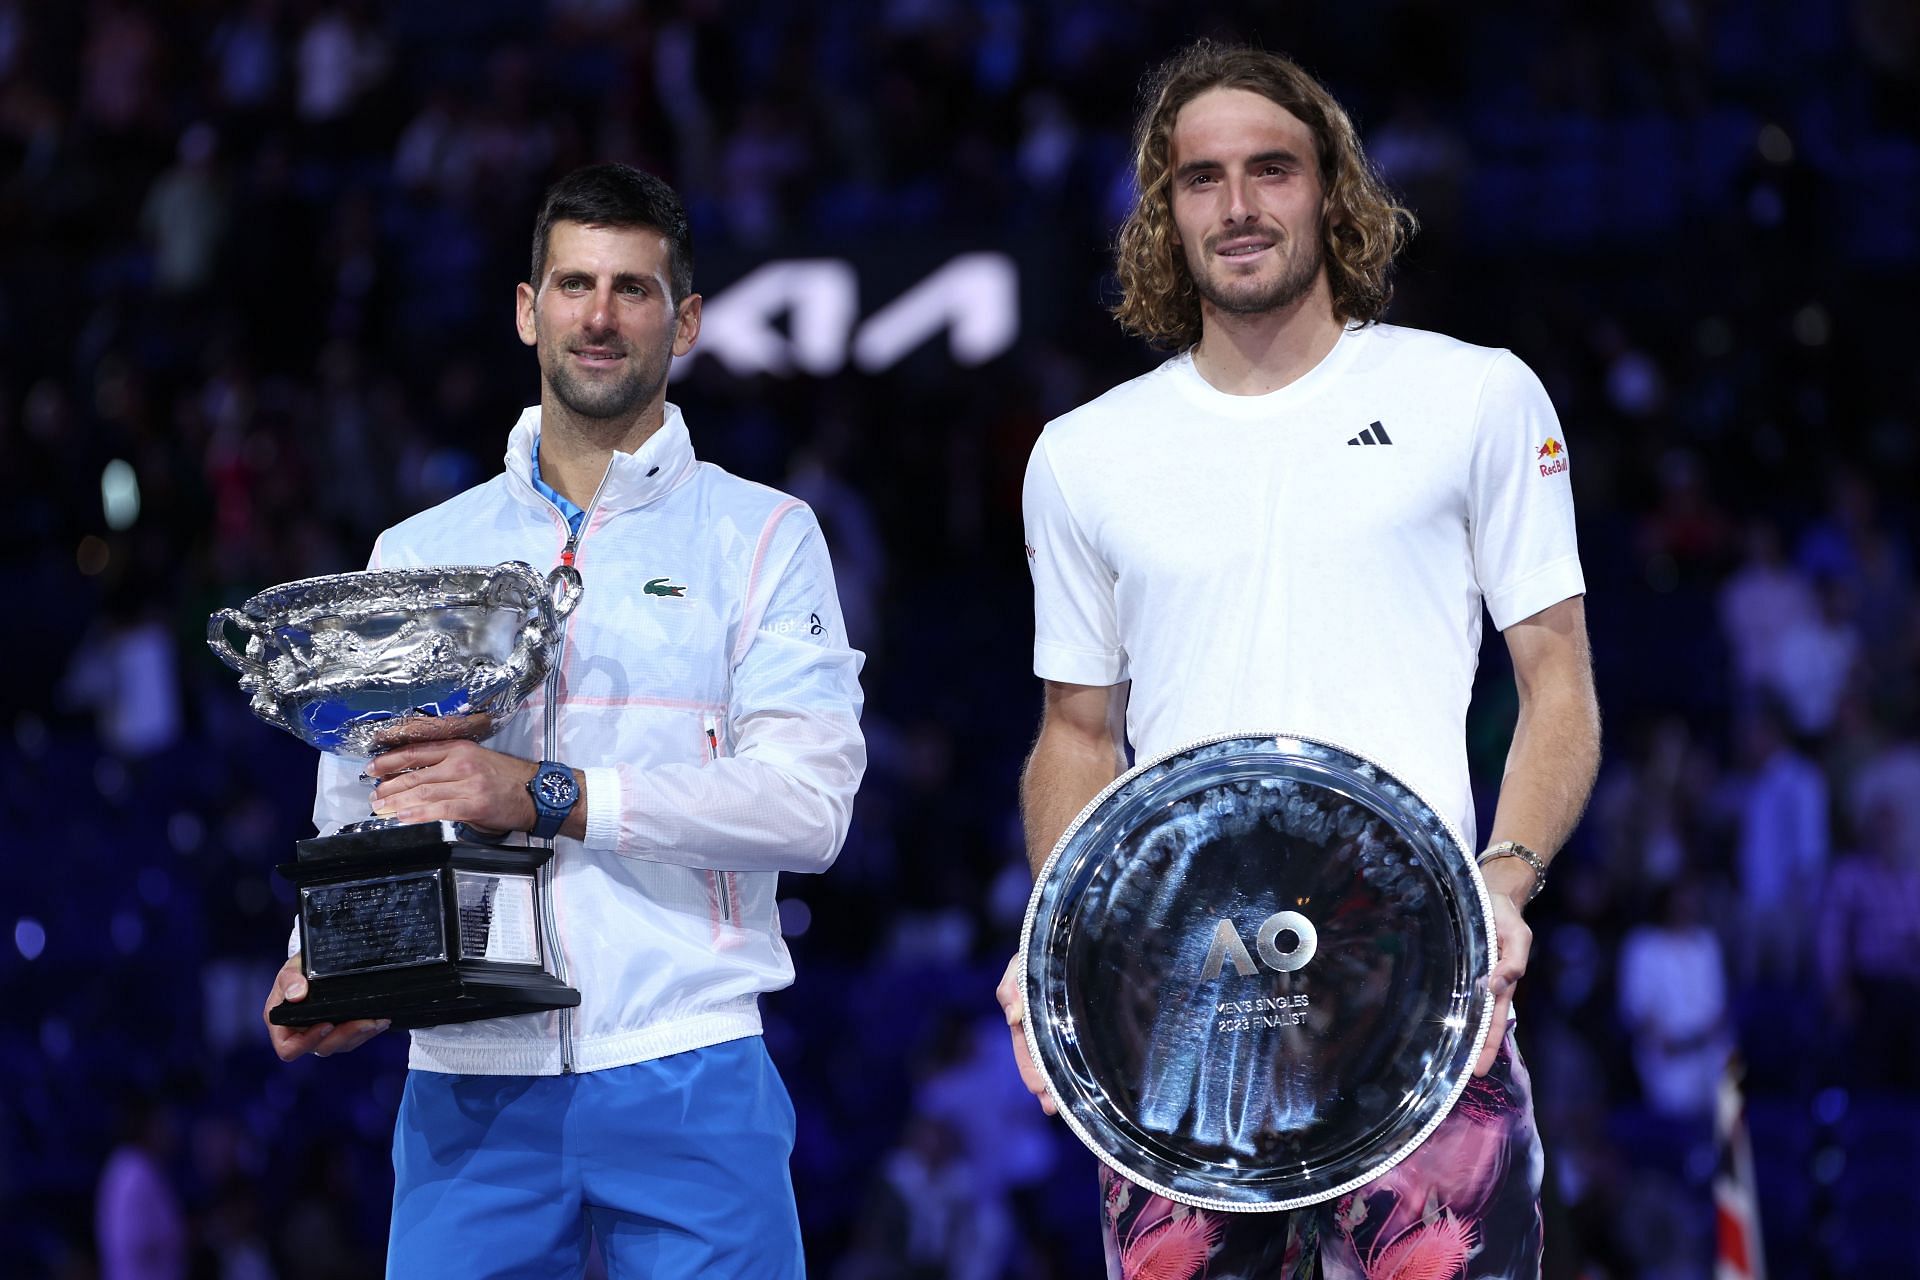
x=1374 y=434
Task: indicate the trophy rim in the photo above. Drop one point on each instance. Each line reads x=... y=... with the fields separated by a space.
x=504 y=629
x=256 y=608
x=1373 y=1171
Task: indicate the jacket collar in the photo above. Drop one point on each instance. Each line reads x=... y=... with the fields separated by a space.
x=658 y=467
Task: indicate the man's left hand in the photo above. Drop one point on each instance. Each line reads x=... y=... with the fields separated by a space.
x=459 y=781
x=1013 y=1003
x=1515 y=938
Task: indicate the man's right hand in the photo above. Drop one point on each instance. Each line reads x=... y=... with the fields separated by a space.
x=322 y=1038
x=1080 y=749
x=1013 y=1003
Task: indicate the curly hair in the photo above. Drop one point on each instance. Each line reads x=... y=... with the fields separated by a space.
x=1362 y=227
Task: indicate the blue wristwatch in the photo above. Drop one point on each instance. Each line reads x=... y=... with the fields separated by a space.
x=554 y=793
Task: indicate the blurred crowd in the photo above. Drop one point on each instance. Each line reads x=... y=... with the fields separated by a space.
x=256 y=262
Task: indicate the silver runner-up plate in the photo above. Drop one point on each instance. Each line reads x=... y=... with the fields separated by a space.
x=1256 y=972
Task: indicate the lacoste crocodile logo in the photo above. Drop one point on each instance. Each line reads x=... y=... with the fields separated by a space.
x=661 y=587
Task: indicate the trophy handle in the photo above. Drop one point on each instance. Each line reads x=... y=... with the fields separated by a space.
x=563 y=593
x=253 y=675
x=550 y=603
x=222 y=644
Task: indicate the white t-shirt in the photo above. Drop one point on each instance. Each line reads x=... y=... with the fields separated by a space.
x=1313 y=560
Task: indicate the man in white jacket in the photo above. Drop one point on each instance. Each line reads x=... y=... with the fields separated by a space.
x=705 y=708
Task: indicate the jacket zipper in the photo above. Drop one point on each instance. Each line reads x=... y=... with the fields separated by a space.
x=551 y=919
x=722 y=882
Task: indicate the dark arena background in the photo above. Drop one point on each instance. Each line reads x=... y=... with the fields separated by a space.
x=257 y=262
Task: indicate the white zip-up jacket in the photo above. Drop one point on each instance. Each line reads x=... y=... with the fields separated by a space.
x=709 y=697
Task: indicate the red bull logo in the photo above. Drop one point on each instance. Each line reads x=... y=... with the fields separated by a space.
x=1555 y=454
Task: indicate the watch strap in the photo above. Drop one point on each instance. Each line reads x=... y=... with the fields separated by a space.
x=1514 y=849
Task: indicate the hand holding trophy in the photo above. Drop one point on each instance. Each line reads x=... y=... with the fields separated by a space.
x=421 y=923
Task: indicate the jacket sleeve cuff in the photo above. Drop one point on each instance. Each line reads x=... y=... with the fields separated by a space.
x=604 y=803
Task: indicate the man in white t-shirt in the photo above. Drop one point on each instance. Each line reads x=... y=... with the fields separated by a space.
x=1294 y=524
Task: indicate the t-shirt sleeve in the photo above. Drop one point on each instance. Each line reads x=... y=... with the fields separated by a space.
x=1076 y=631
x=1520 y=500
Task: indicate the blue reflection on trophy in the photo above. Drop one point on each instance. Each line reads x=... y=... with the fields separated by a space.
x=420 y=923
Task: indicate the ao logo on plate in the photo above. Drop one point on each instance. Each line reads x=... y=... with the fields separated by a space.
x=1227 y=945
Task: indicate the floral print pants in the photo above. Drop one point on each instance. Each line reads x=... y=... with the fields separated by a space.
x=1464 y=1206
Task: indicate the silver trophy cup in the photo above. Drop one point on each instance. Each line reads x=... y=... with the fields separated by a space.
x=420 y=923
x=1256 y=972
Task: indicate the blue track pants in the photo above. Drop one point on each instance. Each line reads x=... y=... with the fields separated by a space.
x=678 y=1166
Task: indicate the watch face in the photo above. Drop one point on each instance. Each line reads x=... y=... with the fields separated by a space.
x=555 y=788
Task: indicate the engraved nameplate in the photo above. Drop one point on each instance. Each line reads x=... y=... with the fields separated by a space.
x=496 y=917
x=363 y=926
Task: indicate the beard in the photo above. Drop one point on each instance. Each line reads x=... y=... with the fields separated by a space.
x=1259 y=297
x=612 y=395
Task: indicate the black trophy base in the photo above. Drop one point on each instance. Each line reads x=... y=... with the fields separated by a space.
x=421 y=925
x=452 y=997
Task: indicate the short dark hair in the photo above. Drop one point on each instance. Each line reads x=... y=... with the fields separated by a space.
x=617 y=195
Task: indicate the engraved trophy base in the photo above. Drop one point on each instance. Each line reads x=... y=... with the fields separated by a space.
x=419 y=925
